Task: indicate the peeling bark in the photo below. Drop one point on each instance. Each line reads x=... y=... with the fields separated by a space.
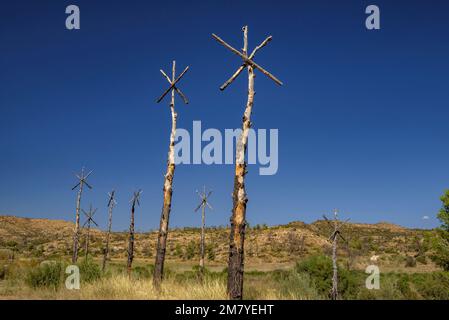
x=167 y=191
x=87 y=241
x=334 y=292
x=108 y=236
x=131 y=242
x=238 y=222
x=77 y=226
x=203 y=220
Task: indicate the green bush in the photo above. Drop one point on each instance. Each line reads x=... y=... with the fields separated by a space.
x=48 y=275
x=89 y=271
x=319 y=268
x=141 y=272
x=210 y=252
x=190 y=250
x=410 y=262
x=299 y=286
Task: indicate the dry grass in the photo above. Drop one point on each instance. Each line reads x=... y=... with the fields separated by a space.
x=120 y=287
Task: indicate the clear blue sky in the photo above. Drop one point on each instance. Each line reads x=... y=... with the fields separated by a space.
x=362 y=117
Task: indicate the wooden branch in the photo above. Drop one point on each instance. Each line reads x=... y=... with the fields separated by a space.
x=260 y=46
x=245 y=40
x=172 y=85
x=165 y=75
x=265 y=72
x=222 y=42
x=233 y=77
x=184 y=98
x=247 y=60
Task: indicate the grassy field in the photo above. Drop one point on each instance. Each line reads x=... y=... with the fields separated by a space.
x=281 y=262
x=307 y=279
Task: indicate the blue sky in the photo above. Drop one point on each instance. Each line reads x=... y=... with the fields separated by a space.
x=362 y=116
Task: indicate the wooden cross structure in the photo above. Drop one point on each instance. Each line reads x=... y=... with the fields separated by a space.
x=238 y=222
x=168 y=177
x=111 y=203
x=88 y=222
x=336 y=226
x=204 y=197
x=82 y=180
x=135 y=200
x=247 y=61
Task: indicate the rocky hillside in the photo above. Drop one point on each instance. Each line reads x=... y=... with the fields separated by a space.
x=284 y=244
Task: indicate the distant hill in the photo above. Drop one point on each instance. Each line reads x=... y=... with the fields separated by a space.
x=283 y=244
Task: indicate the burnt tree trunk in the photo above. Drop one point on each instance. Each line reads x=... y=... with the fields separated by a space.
x=203 y=218
x=334 y=292
x=87 y=241
x=108 y=236
x=76 y=233
x=238 y=222
x=131 y=242
x=167 y=190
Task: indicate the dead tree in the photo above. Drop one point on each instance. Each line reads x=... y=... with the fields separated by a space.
x=168 y=178
x=336 y=225
x=238 y=222
x=111 y=204
x=135 y=200
x=203 y=205
x=82 y=181
x=89 y=220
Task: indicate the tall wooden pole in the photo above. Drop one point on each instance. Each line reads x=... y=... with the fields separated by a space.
x=134 y=200
x=239 y=198
x=89 y=220
x=334 y=238
x=76 y=232
x=131 y=243
x=203 y=221
x=77 y=226
x=238 y=222
x=87 y=241
x=111 y=205
x=168 y=181
x=204 y=202
x=334 y=292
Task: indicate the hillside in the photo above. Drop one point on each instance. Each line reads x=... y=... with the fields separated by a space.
x=278 y=245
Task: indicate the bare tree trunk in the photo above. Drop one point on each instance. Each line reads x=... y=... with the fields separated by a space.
x=108 y=235
x=334 y=292
x=131 y=243
x=87 y=241
x=168 y=190
x=202 y=238
x=238 y=222
x=77 y=226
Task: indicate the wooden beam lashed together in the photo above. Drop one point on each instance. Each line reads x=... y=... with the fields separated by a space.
x=239 y=197
x=89 y=215
x=168 y=177
x=247 y=61
x=204 y=202
x=134 y=201
x=82 y=180
x=111 y=203
x=336 y=226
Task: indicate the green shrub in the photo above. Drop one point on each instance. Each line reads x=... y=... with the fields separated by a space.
x=48 y=275
x=410 y=262
x=89 y=271
x=319 y=268
x=298 y=286
x=421 y=259
x=210 y=252
x=190 y=250
x=141 y=272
